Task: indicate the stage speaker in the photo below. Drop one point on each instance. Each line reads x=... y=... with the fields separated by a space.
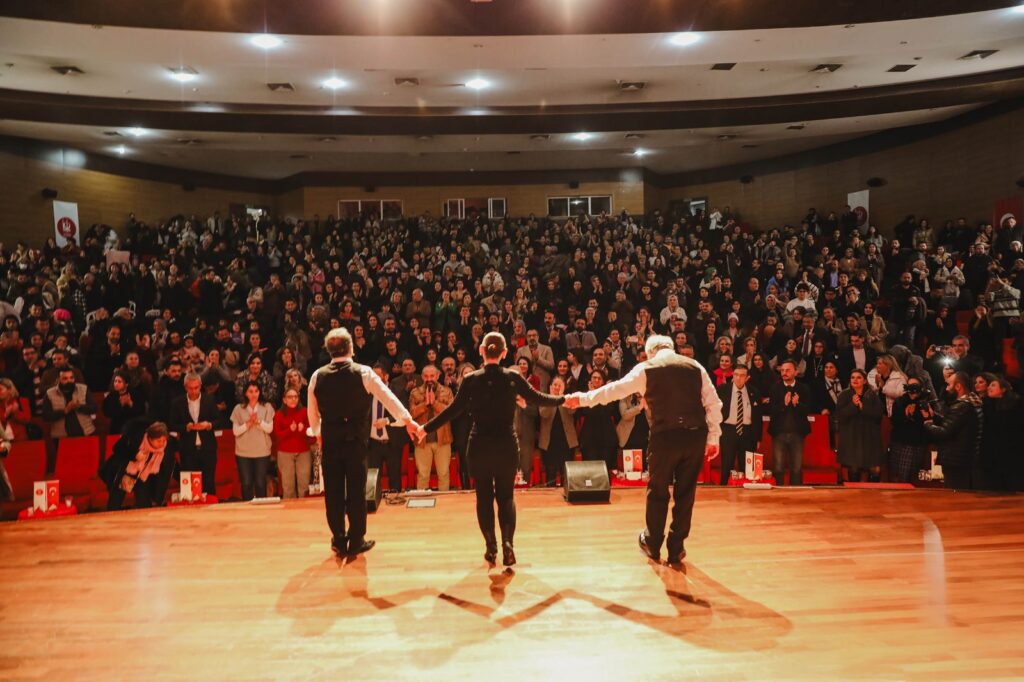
x=48 y=193
x=374 y=493
x=586 y=482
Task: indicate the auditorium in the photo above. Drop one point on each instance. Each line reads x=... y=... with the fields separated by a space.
x=512 y=339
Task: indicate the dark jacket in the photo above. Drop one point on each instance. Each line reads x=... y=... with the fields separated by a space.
x=125 y=450
x=179 y=419
x=958 y=432
x=907 y=430
x=1002 y=436
x=860 y=430
x=790 y=418
x=119 y=414
x=756 y=407
x=847 y=364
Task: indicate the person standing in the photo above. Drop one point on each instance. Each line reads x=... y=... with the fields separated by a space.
x=489 y=397
x=252 y=422
x=685 y=423
x=859 y=412
x=428 y=400
x=294 y=462
x=789 y=405
x=958 y=433
x=193 y=417
x=742 y=422
x=386 y=441
x=339 y=402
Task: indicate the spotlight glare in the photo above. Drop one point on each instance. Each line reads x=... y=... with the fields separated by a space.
x=640 y=153
x=582 y=137
x=334 y=83
x=184 y=74
x=1019 y=9
x=121 y=150
x=477 y=84
x=266 y=41
x=685 y=39
x=136 y=131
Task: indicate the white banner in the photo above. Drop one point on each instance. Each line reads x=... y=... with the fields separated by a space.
x=858 y=202
x=65 y=222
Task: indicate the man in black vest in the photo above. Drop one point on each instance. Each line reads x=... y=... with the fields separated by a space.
x=685 y=416
x=340 y=397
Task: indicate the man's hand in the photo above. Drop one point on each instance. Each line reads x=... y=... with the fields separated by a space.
x=415 y=431
x=789 y=398
x=710 y=452
x=380 y=423
x=796 y=398
x=521 y=402
x=572 y=401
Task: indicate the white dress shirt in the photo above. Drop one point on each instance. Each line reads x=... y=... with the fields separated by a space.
x=373 y=385
x=193 y=411
x=636 y=382
x=737 y=395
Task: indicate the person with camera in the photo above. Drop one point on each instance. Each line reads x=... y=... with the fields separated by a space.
x=908 y=446
x=958 y=434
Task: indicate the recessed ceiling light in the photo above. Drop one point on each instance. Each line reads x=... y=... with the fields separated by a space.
x=183 y=74
x=121 y=150
x=826 y=68
x=136 y=131
x=634 y=136
x=684 y=39
x=68 y=70
x=477 y=84
x=266 y=41
x=582 y=137
x=334 y=83
x=540 y=137
x=723 y=66
x=640 y=153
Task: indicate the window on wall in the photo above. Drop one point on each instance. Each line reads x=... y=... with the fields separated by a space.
x=348 y=209
x=454 y=208
x=386 y=209
x=391 y=209
x=563 y=207
x=496 y=208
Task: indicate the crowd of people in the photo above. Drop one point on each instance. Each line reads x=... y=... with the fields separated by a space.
x=203 y=323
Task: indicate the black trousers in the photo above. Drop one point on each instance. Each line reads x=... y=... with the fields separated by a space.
x=733 y=450
x=673 y=457
x=344 y=464
x=204 y=461
x=388 y=453
x=493 y=461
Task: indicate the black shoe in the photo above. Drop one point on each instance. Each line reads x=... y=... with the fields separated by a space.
x=645 y=547
x=508 y=557
x=491 y=551
x=339 y=545
x=676 y=557
x=358 y=547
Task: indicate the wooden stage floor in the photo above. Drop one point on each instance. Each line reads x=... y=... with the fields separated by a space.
x=815 y=584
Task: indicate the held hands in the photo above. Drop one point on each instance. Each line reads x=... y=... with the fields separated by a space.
x=710 y=452
x=521 y=402
x=416 y=432
x=572 y=401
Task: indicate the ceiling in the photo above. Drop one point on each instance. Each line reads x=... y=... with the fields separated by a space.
x=554 y=84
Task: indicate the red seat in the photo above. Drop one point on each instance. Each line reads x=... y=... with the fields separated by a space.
x=539 y=475
x=25 y=464
x=963 y=320
x=78 y=463
x=108 y=445
x=1010 y=360
x=227 y=483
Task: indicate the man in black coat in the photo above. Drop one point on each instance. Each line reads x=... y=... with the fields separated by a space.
x=790 y=402
x=858 y=355
x=192 y=417
x=958 y=434
x=742 y=421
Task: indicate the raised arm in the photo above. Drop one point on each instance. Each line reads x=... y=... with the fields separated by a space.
x=533 y=396
x=377 y=388
x=634 y=382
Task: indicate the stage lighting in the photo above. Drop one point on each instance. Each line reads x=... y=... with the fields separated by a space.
x=685 y=39
x=477 y=84
x=334 y=83
x=266 y=41
x=136 y=131
x=582 y=137
x=183 y=74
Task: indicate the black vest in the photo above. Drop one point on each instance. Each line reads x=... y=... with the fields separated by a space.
x=343 y=401
x=674 y=393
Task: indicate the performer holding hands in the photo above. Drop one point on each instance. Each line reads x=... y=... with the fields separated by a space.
x=685 y=416
x=489 y=397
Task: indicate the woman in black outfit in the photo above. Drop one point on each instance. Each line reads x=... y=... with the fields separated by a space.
x=597 y=436
x=489 y=397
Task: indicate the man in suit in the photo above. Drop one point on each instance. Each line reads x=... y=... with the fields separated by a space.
x=192 y=417
x=856 y=356
x=581 y=338
x=339 y=402
x=789 y=404
x=685 y=426
x=540 y=356
x=742 y=419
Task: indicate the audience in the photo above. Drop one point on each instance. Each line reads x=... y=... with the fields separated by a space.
x=243 y=302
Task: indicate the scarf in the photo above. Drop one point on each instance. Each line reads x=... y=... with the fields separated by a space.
x=147 y=460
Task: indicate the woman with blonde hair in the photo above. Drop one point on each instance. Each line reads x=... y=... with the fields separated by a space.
x=888 y=380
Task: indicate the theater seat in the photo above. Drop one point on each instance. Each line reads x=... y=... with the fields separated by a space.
x=78 y=463
x=25 y=464
x=1010 y=360
x=108 y=445
x=228 y=487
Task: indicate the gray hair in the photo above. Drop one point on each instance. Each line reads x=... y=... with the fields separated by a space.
x=656 y=343
x=192 y=376
x=338 y=342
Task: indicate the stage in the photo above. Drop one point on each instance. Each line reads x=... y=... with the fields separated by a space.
x=818 y=584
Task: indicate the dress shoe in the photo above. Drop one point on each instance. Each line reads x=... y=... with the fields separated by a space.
x=491 y=550
x=508 y=554
x=645 y=547
x=677 y=557
x=339 y=545
x=360 y=546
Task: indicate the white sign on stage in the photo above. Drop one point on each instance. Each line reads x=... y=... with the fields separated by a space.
x=65 y=222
